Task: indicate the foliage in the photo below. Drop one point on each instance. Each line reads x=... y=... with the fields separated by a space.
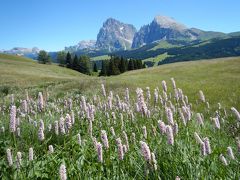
x=104 y=68
x=117 y=65
x=85 y=64
x=95 y=69
x=43 y=57
x=61 y=58
x=69 y=60
x=130 y=65
x=76 y=63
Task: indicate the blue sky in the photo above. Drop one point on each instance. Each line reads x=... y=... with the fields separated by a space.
x=54 y=24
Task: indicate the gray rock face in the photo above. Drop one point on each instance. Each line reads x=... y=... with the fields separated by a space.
x=115 y=35
x=90 y=44
x=163 y=28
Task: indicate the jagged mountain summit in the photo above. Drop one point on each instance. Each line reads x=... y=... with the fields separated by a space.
x=166 y=28
x=115 y=35
x=168 y=22
x=89 y=44
x=162 y=28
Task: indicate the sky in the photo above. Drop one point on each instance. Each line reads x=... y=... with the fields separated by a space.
x=53 y=24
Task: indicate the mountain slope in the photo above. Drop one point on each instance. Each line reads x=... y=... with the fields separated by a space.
x=209 y=49
x=186 y=50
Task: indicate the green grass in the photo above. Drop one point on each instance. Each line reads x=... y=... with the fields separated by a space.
x=219 y=79
x=19 y=73
x=157 y=59
x=164 y=45
x=99 y=58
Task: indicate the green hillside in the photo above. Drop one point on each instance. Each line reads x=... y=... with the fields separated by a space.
x=100 y=58
x=69 y=121
x=186 y=50
x=218 y=78
x=20 y=73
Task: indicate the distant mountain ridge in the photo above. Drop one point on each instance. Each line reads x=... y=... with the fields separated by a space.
x=85 y=44
x=166 y=28
x=20 y=51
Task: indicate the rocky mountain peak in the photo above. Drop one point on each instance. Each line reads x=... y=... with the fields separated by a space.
x=115 y=35
x=162 y=28
x=85 y=44
x=168 y=22
x=110 y=21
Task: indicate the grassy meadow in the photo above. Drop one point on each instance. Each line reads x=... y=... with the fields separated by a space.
x=59 y=123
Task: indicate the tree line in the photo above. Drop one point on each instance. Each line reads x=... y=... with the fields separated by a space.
x=81 y=64
x=117 y=65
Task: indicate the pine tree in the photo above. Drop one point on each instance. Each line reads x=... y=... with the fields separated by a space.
x=69 y=60
x=84 y=64
x=113 y=68
x=130 y=65
x=135 y=64
x=95 y=69
x=139 y=64
x=122 y=65
x=144 y=65
x=61 y=58
x=103 y=71
x=126 y=64
x=75 y=64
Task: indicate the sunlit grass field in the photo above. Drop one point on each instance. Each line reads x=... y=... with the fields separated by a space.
x=82 y=118
x=219 y=79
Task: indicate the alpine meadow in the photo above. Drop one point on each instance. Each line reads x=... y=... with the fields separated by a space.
x=155 y=100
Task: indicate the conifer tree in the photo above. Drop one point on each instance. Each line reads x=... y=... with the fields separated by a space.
x=135 y=64
x=103 y=71
x=113 y=68
x=139 y=64
x=84 y=64
x=75 y=64
x=95 y=69
x=144 y=65
x=69 y=60
x=122 y=65
x=61 y=58
x=130 y=65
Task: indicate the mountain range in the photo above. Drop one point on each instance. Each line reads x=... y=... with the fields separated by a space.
x=116 y=36
x=27 y=52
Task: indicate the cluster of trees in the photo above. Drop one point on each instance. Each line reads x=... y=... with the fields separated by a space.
x=44 y=58
x=117 y=65
x=81 y=63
